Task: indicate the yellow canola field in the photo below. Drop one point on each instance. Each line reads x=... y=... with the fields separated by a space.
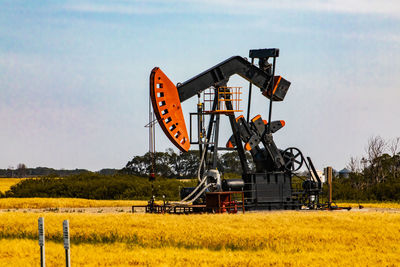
x=26 y=253
x=41 y=203
x=290 y=238
x=6 y=183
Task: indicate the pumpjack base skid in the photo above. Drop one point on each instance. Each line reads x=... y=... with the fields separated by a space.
x=216 y=202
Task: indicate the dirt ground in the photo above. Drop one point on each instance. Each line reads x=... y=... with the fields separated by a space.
x=142 y=210
x=78 y=210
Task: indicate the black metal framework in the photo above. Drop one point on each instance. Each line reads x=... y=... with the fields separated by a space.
x=269 y=186
x=217 y=77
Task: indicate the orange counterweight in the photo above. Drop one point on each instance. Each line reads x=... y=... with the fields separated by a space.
x=168 y=110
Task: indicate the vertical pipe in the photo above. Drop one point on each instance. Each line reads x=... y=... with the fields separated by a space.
x=200 y=125
x=216 y=133
x=270 y=100
x=154 y=135
x=329 y=172
x=150 y=130
x=154 y=147
x=151 y=141
x=210 y=127
x=249 y=100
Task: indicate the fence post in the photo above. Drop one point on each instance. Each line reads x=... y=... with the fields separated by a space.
x=66 y=243
x=41 y=241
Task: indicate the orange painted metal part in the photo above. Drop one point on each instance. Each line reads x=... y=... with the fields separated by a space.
x=277 y=80
x=167 y=108
x=238 y=118
x=247 y=147
x=256 y=118
x=229 y=144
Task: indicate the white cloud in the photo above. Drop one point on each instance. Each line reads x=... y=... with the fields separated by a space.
x=127 y=9
x=389 y=8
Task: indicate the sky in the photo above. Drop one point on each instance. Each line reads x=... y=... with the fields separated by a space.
x=74 y=75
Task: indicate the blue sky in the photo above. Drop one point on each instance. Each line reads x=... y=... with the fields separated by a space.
x=74 y=74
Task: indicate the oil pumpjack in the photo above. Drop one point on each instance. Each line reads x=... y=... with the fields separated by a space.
x=270 y=184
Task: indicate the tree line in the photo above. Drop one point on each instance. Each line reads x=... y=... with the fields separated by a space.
x=374 y=176
x=23 y=171
x=170 y=164
x=96 y=186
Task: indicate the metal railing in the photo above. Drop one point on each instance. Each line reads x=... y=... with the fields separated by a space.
x=225 y=95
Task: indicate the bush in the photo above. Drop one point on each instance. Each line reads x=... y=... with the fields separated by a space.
x=97 y=186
